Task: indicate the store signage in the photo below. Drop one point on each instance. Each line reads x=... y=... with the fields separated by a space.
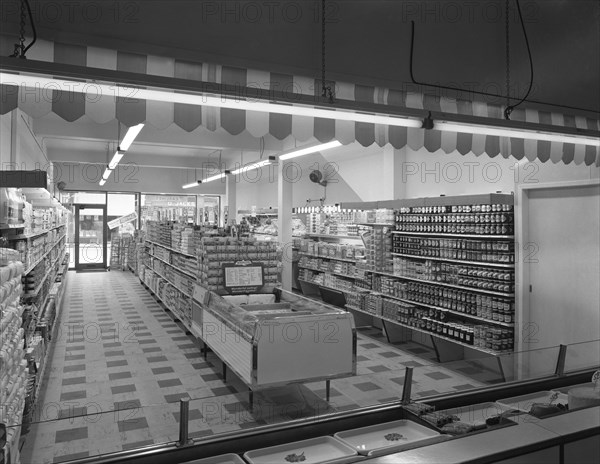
x=201 y=294
x=243 y=277
x=122 y=220
x=170 y=201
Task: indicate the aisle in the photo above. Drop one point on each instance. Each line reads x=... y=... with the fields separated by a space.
x=120 y=364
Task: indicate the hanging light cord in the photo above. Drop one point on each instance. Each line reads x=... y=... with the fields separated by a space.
x=20 y=48
x=488 y=94
x=507 y=44
x=509 y=109
x=325 y=89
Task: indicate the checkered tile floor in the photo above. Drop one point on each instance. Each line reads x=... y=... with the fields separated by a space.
x=120 y=364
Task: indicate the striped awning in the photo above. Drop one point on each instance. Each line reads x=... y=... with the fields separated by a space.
x=129 y=111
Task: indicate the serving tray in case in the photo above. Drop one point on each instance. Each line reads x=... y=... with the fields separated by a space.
x=477 y=414
x=321 y=450
x=222 y=459
x=525 y=402
x=389 y=437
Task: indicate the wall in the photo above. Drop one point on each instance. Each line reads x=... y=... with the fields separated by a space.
x=16 y=133
x=413 y=173
x=345 y=184
x=5 y=139
x=432 y=174
x=129 y=178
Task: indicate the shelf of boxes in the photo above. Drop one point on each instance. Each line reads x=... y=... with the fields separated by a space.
x=39 y=260
x=33 y=234
x=213 y=252
x=50 y=270
x=171 y=249
x=175 y=286
x=189 y=274
x=13 y=366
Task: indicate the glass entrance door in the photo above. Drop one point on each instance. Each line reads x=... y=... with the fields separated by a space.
x=90 y=237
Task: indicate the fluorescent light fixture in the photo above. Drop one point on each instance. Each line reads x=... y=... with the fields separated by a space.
x=306 y=151
x=192 y=184
x=234 y=102
x=257 y=165
x=107 y=173
x=215 y=177
x=115 y=159
x=102 y=182
x=130 y=136
x=216 y=101
x=514 y=132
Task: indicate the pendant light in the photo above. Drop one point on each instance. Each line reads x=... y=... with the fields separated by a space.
x=308 y=150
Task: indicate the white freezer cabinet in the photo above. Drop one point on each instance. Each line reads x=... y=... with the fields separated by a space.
x=269 y=344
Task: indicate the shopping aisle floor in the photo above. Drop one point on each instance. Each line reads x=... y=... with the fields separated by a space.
x=120 y=364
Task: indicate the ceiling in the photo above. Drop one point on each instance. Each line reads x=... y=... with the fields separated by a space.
x=367 y=41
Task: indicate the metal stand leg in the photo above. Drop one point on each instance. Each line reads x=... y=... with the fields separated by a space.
x=204 y=350
x=224 y=371
x=327 y=389
x=250 y=399
x=501 y=368
x=184 y=416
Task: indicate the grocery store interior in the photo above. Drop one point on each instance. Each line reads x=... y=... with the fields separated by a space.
x=275 y=247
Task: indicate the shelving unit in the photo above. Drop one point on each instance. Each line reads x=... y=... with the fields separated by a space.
x=32 y=234
x=32 y=267
x=440 y=308
x=458 y=261
x=189 y=274
x=171 y=283
x=444 y=284
x=427 y=332
x=171 y=249
x=489 y=213
x=441 y=234
x=355 y=237
x=40 y=306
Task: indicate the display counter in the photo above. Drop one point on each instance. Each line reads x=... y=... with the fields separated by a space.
x=275 y=339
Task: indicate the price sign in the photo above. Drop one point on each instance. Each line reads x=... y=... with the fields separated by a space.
x=201 y=294
x=243 y=277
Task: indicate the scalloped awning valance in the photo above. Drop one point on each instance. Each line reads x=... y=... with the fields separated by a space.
x=104 y=108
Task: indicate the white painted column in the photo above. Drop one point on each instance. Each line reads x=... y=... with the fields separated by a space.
x=286 y=172
x=394 y=160
x=399 y=157
x=230 y=198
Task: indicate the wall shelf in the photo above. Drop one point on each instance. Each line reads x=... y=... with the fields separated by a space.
x=452 y=311
x=32 y=267
x=459 y=261
x=33 y=234
x=444 y=284
x=443 y=234
x=458 y=342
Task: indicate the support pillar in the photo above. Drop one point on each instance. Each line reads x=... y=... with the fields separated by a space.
x=285 y=175
x=230 y=199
